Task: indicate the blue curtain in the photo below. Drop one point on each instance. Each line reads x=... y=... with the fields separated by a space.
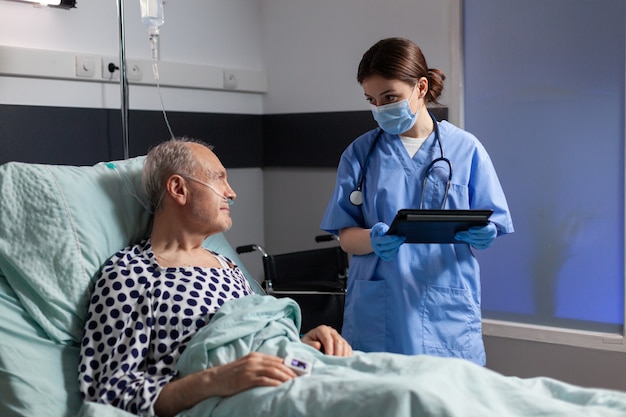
x=544 y=92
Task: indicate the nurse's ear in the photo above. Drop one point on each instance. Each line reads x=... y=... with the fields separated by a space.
x=422 y=87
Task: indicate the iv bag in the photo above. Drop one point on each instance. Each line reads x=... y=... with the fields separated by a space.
x=152 y=15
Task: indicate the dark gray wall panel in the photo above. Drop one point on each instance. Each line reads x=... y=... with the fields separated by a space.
x=84 y=136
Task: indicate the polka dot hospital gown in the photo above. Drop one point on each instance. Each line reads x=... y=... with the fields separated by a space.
x=140 y=318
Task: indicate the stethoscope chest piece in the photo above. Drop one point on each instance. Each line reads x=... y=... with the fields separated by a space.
x=356 y=197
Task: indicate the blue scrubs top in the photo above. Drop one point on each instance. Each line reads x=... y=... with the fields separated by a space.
x=426 y=300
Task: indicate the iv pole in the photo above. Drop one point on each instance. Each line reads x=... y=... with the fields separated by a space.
x=123 y=78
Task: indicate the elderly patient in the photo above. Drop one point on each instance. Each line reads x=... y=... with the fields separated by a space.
x=151 y=298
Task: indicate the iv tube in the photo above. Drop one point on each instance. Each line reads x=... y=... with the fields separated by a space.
x=152 y=19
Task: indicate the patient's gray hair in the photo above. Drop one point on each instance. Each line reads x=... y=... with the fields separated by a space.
x=167 y=158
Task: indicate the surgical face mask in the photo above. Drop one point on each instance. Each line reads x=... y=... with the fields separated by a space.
x=395 y=118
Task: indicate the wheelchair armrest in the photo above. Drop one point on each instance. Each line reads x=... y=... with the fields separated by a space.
x=250 y=248
x=325 y=238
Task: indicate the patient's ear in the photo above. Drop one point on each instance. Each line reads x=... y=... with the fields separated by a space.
x=176 y=188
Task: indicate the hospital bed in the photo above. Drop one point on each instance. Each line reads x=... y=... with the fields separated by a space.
x=316 y=279
x=58 y=224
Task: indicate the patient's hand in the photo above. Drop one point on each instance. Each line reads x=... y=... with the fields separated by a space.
x=327 y=338
x=253 y=370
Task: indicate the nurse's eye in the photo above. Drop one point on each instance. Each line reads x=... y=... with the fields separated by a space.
x=391 y=98
x=370 y=100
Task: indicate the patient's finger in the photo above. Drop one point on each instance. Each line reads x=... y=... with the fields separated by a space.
x=317 y=338
x=314 y=344
x=329 y=339
x=342 y=347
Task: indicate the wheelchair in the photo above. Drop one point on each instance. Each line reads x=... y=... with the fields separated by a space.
x=316 y=279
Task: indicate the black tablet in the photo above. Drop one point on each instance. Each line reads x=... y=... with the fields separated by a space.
x=436 y=226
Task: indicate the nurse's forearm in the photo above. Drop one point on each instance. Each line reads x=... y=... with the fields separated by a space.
x=355 y=240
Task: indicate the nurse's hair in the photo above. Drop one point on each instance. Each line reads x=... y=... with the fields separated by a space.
x=171 y=157
x=401 y=59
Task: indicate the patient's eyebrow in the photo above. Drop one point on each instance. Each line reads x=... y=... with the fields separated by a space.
x=213 y=174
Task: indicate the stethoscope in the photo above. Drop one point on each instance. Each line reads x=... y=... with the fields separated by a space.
x=356 y=196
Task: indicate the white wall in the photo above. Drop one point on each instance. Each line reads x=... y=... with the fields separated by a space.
x=222 y=33
x=218 y=33
x=312 y=48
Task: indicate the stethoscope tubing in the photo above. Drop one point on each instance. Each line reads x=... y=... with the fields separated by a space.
x=356 y=196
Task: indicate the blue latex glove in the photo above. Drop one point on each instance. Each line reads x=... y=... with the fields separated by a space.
x=480 y=237
x=384 y=245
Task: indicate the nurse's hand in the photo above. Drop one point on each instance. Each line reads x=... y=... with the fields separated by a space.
x=384 y=245
x=480 y=237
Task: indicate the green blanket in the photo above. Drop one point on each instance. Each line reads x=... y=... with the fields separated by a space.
x=371 y=384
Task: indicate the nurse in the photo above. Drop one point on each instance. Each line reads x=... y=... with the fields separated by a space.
x=411 y=298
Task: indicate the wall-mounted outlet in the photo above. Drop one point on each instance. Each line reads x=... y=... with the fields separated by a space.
x=133 y=71
x=85 y=66
x=110 y=68
x=230 y=79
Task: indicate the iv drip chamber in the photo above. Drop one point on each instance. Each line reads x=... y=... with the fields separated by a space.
x=152 y=15
x=152 y=18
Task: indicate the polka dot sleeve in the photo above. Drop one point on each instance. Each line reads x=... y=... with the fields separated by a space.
x=117 y=339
